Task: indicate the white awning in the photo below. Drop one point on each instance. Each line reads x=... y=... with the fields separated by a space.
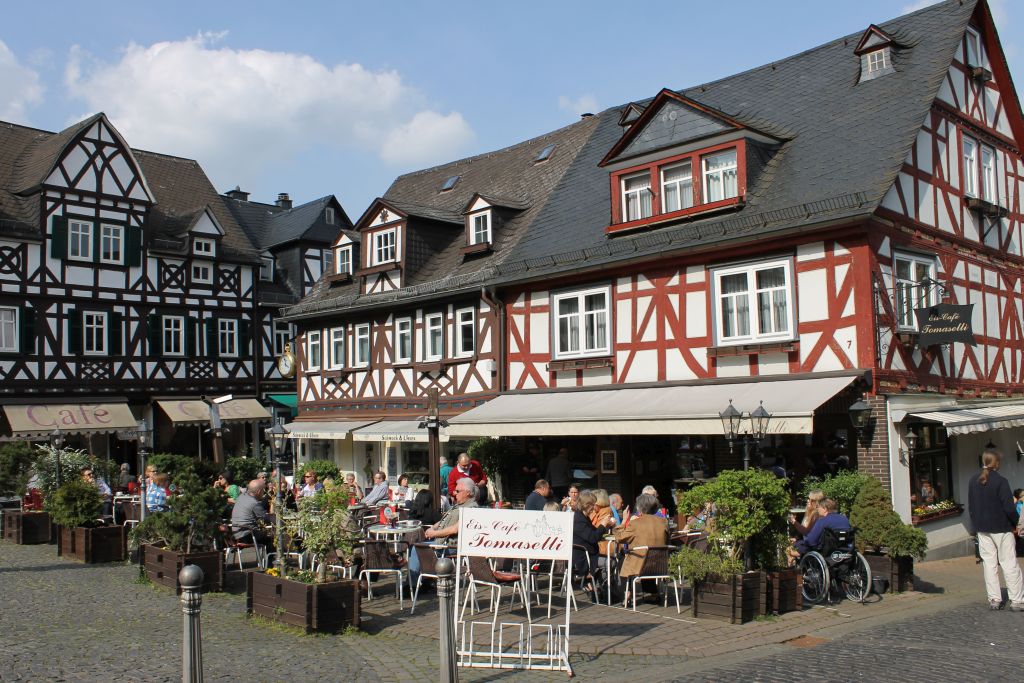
x=974 y=420
x=309 y=429
x=193 y=412
x=395 y=430
x=690 y=409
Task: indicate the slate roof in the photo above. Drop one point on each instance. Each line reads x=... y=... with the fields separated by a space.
x=269 y=225
x=844 y=143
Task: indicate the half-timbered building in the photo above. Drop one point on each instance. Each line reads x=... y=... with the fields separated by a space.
x=791 y=237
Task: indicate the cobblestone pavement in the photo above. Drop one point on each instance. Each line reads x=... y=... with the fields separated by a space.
x=64 y=621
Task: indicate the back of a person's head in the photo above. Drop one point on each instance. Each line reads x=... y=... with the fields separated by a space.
x=587 y=500
x=646 y=503
x=602 y=498
x=830 y=505
x=552 y=506
x=227 y=476
x=990 y=460
x=255 y=488
x=649 y=490
x=161 y=478
x=423 y=501
x=541 y=485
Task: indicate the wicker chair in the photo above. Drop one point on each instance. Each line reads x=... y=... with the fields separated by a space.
x=654 y=568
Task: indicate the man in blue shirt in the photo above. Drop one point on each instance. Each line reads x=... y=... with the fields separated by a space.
x=830 y=519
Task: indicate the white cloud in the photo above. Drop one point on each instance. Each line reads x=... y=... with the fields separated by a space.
x=238 y=110
x=584 y=104
x=20 y=87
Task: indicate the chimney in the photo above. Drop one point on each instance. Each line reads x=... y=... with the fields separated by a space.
x=586 y=115
x=284 y=201
x=238 y=194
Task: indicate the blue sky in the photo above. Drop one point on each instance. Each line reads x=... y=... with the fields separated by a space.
x=316 y=98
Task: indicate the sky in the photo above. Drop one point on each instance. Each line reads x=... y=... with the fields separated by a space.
x=334 y=97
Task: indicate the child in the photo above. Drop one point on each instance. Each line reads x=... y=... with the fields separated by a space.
x=1018 y=499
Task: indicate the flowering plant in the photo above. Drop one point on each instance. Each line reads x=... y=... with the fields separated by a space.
x=941 y=506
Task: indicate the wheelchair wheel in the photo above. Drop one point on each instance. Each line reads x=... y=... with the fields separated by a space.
x=858 y=580
x=816 y=579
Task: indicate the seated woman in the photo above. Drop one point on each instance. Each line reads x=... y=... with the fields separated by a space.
x=602 y=508
x=803 y=527
x=585 y=536
x=355 y=492
x=646 y=530
x=156 y=493
x=403 y=494
x=423 y=509
x=701 y=520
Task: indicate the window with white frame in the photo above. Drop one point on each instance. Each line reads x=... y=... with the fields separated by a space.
x=344 y=261
x=878 y=60
x=80 y=240
x=465 y=332
x=582 y=323
x=403 y=340
x=112 y=244
x=481 y=228
x=328 y=261
x=973 y=42
x=203 y=246
x=227 y=337
x=989 y=186
x=385 y=247
x=433 y=336
x=337 y=347
x=267 y=268
x=636 y=197
x=754 y=302
x=913 y=287
x=94 y=333
x=329 y=215
x=970 y=173
x=202 y=273
x=174 y=335
x=720 y=176
x=8 y=328
x=283 y=334
x=362 y=344
x=677 y=187
x=313 y=350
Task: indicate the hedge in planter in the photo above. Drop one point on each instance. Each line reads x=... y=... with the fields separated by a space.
x=75 y=507
x=889 y=545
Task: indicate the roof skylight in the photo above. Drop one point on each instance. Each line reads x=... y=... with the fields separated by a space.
x=450 y=183
x=544 y=154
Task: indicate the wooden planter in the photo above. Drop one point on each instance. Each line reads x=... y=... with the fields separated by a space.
x=784 y=591
x=162 y=567
x=899 y=571
x=938 y=514
x=93 y=545
x=736 y=599
x=324 y=607
x=26 y=528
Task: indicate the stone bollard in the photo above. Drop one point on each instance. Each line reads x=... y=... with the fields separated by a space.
x=445 y=593
x=191 y=579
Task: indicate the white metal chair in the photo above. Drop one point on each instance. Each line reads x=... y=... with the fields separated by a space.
x=377 y=559
x=481 y=574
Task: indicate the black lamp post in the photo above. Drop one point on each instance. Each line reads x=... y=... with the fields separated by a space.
x=276 y=435
x=732 y=427
x=145 y=435
x=57 y=439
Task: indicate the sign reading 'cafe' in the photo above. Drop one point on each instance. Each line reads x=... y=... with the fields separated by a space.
x=944 y=324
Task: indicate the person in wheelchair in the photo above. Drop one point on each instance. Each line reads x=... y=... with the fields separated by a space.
x=829 y=519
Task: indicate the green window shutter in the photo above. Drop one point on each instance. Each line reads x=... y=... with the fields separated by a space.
x=244 y=338
x=74 y=331
x=133 y=246
x=190 y=337
x=211 y=337
x=155 y=332
x=27 y=330
x=59 y=238
x=115 y=345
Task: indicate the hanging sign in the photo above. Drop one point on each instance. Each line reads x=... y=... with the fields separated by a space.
x=944 y=324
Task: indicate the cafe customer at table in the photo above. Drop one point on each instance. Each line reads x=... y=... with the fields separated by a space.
x=448 y=528
x=250 y=514
x=379 y=494
x=615 y=503
x=646 y=530
x=539 y=496
x=355 y=492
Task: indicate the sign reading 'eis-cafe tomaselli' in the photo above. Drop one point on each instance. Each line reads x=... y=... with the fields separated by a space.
x=944 y=324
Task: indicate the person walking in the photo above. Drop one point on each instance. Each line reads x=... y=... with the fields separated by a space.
x=994 y=517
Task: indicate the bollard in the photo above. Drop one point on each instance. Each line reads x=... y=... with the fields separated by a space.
x=191 y=579
x=445 y=594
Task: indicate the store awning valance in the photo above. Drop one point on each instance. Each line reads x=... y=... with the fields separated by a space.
x=308 y=429
x=685 y=409
x=395 y=430
x=38 y=421
x=185 y=412
x=979 y=419
x=286 y=400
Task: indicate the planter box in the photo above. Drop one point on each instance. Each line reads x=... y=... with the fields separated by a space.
x=899 y=571
x=324 y=607
x=938 y=514
x=162 y=567
x=26 y=528
x=784 y=591
x=737 y=599
x=93 y=545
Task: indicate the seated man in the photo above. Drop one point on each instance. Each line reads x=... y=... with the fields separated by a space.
x=539 y=496
x=250 y=514
x=448 y=528
x=379 y=494
x=828 y=519
x=102 y=487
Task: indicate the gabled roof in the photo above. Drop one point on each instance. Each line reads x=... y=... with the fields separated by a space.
x=514 y=203
x=270 y=225
x=874 y=38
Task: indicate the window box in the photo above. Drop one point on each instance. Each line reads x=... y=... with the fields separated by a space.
x=339 y=279
x=580 y=364
x=931 y=513
x=981 y=74
x=748 y=349
x=338 y=374
x=373 y=270
x=436 y=368
x=478 y=248
x=985 y=207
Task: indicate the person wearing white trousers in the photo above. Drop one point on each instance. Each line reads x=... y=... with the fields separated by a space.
x=994 y=516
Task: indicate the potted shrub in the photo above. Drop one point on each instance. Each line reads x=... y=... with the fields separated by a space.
x=312 y=601
x=888 y=544
x=184 y=534
x=722 y=590
x=783 y=583
x=75 y=507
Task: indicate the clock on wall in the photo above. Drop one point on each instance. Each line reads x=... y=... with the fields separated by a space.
x=286 y=362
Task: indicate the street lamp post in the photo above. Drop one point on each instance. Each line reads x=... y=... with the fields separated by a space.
x=276 y=435
x=57 y=439
x=733 y=428
x=145 y=436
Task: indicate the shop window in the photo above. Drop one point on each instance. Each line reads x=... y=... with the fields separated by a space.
x=931 y=470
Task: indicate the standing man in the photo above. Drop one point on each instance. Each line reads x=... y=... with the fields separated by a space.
x=468 y=468
x=560 y=473
x=446 y=469
x=994 y=517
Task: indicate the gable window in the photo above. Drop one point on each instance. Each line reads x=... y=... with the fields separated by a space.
x=385 y=247
x=111 y=244
x=313 y=350
x=282 y=335
x=267 y=268
x=327 y=255
x=677 y=187
x=403 y=340
x=973 y=43
x=344 y=261
x=636 y=197
x=433 y=336
x=754 y=302
x=913 y=287
x=989 y=187
x=582 y=323
x=878 y=60
x=337 y=346
x=202 y=273
x=227 y=337
x=481 y=228
x=94 y=333
x=329 y=215
x=174 y=335
x=362 y=342
x=8 y=329
x=970 y=167
x=465 y=332
x=80 y=240
x=720 y=176
x=203 y=246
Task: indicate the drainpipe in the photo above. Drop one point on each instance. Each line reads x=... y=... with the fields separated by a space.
x=490 y=298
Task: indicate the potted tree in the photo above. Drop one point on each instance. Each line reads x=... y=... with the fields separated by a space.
x=184 y=534
x=313 y=601
x=75 y=508
x=889 y=545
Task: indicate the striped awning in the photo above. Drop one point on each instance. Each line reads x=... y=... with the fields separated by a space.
x=974 y=420
x=38 y=421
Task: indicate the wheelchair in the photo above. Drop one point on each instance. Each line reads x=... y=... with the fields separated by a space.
x=835 y=568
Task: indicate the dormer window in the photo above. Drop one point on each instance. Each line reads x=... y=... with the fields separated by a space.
x=677 y=187
x=449 y=183
x=202 y=246
x=972 y=46
x=480 y=226
x=877 y=62
x=329 y=215
x=327 y=261
x=720 y=176
x=636 y=197
x=343 y=260
x=875 y=52
x=267 y=268
x=385 y=247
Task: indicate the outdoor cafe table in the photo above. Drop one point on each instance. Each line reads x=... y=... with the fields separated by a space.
x=390 y=533
x=129 y=506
